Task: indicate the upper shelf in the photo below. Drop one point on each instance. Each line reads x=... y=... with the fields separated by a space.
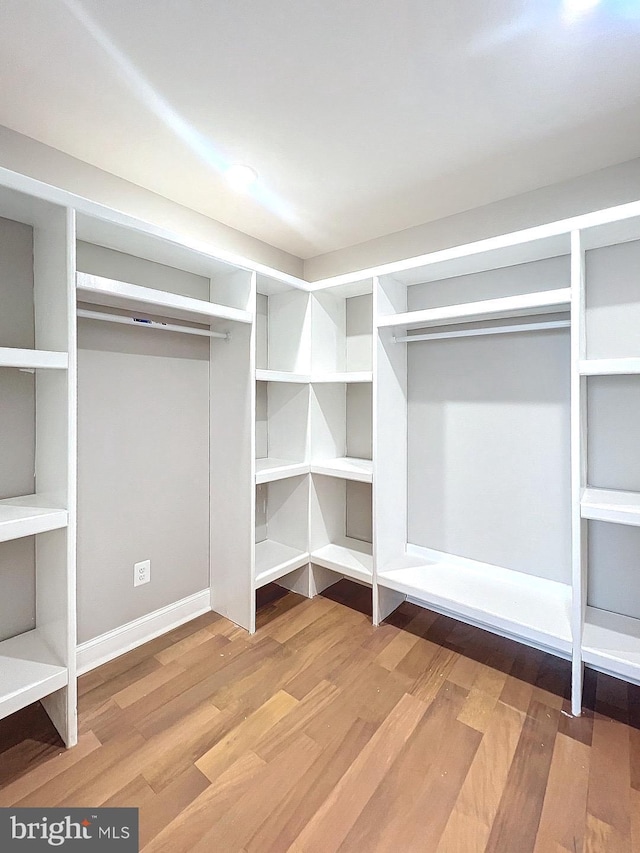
x=26 y=516
x=32 y=358
x=609 y=366
x=361 y=376
x=119 y=294
x=611 y=505
x=525 y=305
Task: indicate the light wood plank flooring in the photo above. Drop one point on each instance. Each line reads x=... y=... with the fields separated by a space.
x=321 y=733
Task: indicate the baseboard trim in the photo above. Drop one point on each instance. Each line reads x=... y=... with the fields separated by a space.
x=114 y=643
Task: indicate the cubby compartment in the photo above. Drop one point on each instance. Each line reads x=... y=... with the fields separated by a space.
x=120 y=277
x=282 y=415
x=341 y=430
x=611 y=638
x=342 y=334
x=613 y=450
x=341 y=527
x=283 y=328
x=282 y=528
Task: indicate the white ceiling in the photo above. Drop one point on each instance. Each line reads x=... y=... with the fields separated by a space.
x=362 y=117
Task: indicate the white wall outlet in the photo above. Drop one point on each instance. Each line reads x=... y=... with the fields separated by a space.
x=141 y=572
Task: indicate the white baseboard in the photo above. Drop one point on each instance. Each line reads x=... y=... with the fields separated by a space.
x=114 y=643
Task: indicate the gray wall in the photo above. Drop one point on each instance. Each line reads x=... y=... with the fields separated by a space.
x=22 y=154
x=17 y=425
x=143 y=446
x=594 y=191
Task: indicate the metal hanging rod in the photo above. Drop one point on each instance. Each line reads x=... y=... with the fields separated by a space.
x=150 y=324
x=486 y=330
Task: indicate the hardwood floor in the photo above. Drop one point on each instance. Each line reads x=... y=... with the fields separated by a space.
x=321 y=733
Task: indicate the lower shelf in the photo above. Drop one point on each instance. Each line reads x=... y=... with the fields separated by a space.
x=350 y=557
x=269 y=469
x=609 y=505
x=26 y=516
x=29 y=671
x=516 y=604
x=345 y=467
x=611 y=643
x=274 y=560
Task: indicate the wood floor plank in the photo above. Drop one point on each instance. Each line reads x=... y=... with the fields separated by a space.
x=261 y=797
x=245 y=735
x=565 y=804
x=332 y=822
x=610 y=780
x=482 y=789
x=24 y=785
x=439 y=750
x=286 y=822
x=194 y=821
x=520 y=808
x=178 y=795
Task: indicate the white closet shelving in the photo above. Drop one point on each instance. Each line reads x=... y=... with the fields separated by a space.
x=477 y=402
x=227 y=311
x=38 y=374
x=608 y=314
x=461 y=506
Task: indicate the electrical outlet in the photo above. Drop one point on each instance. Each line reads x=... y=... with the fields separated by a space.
x=141 y=572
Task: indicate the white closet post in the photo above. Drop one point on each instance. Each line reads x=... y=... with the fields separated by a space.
x=579 y=539
x=389 y=444
x=232 y=466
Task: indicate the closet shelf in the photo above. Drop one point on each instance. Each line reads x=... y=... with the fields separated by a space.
x=274 y=560
x=118 y=294
x=29 y=671
x=350 y=377
x=346 y=467
x=350 y=557
x=270 y=469
x=528 y=304
x=526 y=607
x=609 y=505
x=26 y=516
x=611 y=642
x=609 y=366
x=31 y=359
x=282 y=376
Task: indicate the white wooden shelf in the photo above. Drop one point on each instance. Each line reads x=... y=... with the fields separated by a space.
x=26 y=516
x=29 y=671
x=33 y=359
x=516 y=604
x=609 y=366
x=274 y=560
x=610 y=505
x=349 y=377
x=529 y=304
x=118 y=294
x=282 y=376
x=269 y=469
x=611 y=642
x=346 y=467
x=350 y=557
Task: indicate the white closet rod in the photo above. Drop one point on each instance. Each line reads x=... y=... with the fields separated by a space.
x=149 y=324
x=487 y=330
